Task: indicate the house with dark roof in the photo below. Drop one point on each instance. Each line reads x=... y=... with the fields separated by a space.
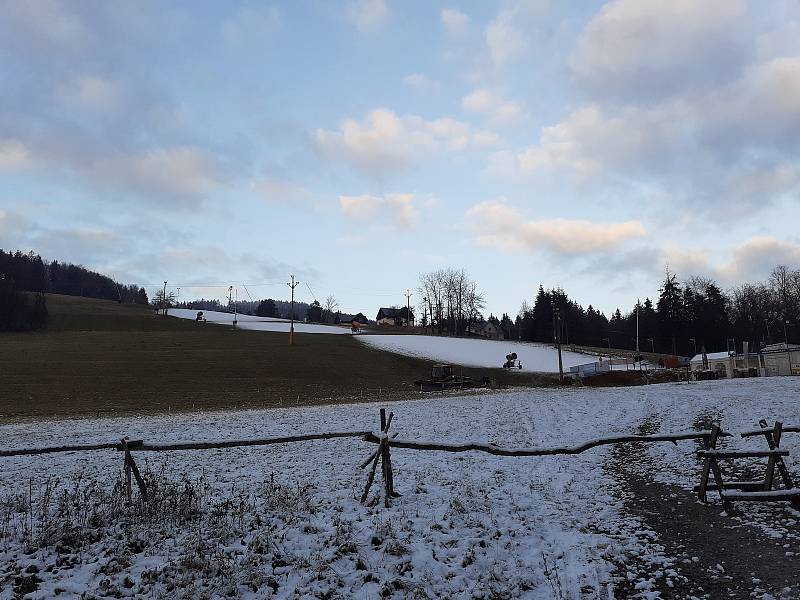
x=394 y=317
x=344 y=318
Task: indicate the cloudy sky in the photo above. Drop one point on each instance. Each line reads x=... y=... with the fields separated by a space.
x=358 y=144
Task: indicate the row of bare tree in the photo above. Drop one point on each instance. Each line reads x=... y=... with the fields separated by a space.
x=450 y=301
x=769 y=310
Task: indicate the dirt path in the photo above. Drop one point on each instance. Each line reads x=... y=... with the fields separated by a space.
x=717 y=556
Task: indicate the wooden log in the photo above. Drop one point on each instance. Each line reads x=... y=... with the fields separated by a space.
x=726 y=504
x=776 y=435
x=54 y=449
x=371 y=456
x=371 y=477
x=139 y=481
x=243 y=443
x=710 y=443
x=387 y=490
x=753 y=486
x=500 y=451
x=387 y=461
x=763 y=496
x=742 y=453
x=757 y=432
x=127 y=469
x=773 y=444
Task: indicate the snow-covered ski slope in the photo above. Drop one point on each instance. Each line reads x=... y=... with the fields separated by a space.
x=535 y=358
x=466 y=523
x=258 y=323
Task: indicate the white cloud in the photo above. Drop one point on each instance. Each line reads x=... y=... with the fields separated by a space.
x=757 y=256
x=277 y=190
x=250 y=26
x=504 y=39
x=455 y=22
x=91 y=92
x=394 y=210
x=588 y=142
x=650 y=47
x=421 y=83
x=14 y=155
x=499 y=225
x=368 y=15
x=386 y=142
x=484 y=102
x=12 y=227
x=752 y=260
x=179 y=173
x=45 y=27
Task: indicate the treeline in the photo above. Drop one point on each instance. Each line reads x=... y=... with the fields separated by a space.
x=20 y=311
x=261 y=308
x=451 y=302
x=686 y=317
x=28 y=272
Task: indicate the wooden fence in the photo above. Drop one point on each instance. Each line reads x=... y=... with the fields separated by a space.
x=382 y=455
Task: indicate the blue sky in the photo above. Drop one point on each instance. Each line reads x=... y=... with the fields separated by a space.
x=359 y=144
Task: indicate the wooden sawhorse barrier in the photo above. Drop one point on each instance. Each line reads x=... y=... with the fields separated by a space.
x=752 y=491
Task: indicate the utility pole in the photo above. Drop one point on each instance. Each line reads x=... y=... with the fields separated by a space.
x=233 y=300
x=558 y=338
x=408 y=308
x=230 y=301
x=292 y=285
x=164 y=298
x=637 y=326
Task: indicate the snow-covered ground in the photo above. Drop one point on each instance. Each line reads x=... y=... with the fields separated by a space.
x=536 y=358
x=258 y=323
x=285 y=521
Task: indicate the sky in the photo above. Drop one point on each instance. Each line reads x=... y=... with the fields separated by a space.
x=356 y=145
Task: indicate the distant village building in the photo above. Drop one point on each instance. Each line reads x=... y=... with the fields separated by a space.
x=394 y=317
x=781 y=359
x=486 y=329
x=773 y=360
x=344 y=318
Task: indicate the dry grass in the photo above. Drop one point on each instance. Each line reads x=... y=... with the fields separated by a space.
x=102 y=357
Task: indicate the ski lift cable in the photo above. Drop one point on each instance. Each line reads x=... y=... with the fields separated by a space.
x=312 y=292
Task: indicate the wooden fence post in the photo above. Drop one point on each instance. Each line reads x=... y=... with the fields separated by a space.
x=127 y=469
x=710 y=443
x=131 y=468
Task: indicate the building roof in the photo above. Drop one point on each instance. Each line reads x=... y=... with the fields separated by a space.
x=391 y=312
x=711 y=356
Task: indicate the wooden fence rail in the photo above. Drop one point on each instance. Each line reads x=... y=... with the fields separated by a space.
x=385 y=443
x=757 y=432
x=500 y=451
x=141 y=446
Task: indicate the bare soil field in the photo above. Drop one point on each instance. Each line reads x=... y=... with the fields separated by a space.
x=100 y=357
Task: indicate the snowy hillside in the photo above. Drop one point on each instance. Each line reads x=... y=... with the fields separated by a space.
x=476 y=353
x=284 y=521
x=258 y=323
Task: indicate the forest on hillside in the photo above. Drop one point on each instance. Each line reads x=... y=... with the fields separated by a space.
x=685 y=317
x=28 y=272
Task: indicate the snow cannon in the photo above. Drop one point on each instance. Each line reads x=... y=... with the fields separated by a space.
x=512 y=362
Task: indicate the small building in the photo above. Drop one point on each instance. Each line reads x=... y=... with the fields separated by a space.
x=719 y=362
x=486 y=329
x=773 y=360
x=780 y=359
x=347 y=319
x=393 y=317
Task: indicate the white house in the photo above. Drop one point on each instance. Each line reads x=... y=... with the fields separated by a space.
x=781 y=359
x=772 y=360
